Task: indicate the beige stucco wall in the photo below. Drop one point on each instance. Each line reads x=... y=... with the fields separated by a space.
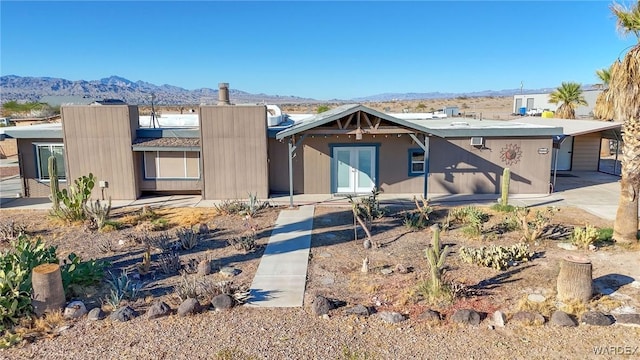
x=29 y=168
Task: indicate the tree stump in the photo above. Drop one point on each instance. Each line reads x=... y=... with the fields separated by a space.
x=574 y=279
x=48 y=293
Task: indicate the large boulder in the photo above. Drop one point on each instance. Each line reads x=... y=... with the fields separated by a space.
x=466 y=317
x=222 y=302
x=189 y=306
x=321 y=305
x=74 y=310
x=123 y=314
x=158 y=309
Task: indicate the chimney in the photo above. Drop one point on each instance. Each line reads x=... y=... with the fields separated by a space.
x=223 y=94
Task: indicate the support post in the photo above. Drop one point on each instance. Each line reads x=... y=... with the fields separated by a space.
x=293 y=145
x=292 y=148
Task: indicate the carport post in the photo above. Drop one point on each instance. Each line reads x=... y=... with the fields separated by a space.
x=292 y=147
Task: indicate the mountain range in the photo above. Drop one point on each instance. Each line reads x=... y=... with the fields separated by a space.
x=26 y=88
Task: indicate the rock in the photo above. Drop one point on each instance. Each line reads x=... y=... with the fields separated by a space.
x=528 y=318
x=222 y=302
x=386 y=271
x=228 y=271
x=561 y=318
x=466 y=316
x=189 y=306
x=400 y=268
x=123 y=314
x=203 y=229
x=326 y=316
x=430 y=315
x=592 y=247
x=596 y=318
x=391 y=317
x=365 y=265
x=499 y=318
x=367 y=244
x=74 y=310
x=359 y=310
x=62 y=329
x=96 y=314
x=325 y=255
x=321 y=305
x=204 y=267
x=567 y=246
x=628 y=319
x=536 y=298
x=327 y=280
x=158 y=309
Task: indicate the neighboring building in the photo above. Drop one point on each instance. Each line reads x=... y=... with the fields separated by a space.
x=240 y=149
x=541 y=101
x=60 y=100
x=28 y=121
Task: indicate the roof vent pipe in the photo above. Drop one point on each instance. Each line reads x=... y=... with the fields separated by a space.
x=223 y=94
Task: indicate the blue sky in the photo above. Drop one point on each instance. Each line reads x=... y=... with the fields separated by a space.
x=322 y=50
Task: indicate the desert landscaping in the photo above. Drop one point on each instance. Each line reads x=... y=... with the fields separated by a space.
x=505 y=308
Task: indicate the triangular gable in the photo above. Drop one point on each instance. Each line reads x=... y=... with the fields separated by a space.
x=339 y=113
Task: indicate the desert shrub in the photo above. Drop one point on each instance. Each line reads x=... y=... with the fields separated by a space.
x=187 y=237
x=605 y=235
x=534 y=227
x=9 y=339
x=497 y=257
x=11 y=231
x=111 y=225
x=161 y=241
x=169 y=263
x=472 y=217
x=15 y=277
x=503 y=208
x=414 y=220
x=187 y=288
x=74 y=199
x=122 y=288
x=230 y=207
x=246 y=242
x=209 y=289
x=98 y=212
x=583 y=237
x=238 y=207
x=81 y=273
x=322 y=108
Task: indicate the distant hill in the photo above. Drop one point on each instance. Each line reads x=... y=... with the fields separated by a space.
x=27 y=88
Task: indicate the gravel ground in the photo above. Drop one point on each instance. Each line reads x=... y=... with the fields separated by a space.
x=296 y=334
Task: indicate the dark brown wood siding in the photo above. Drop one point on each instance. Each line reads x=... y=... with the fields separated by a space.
x=98 y=140
x=234 y=151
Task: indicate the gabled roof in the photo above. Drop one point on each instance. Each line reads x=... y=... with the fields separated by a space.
x=445 y=128
x=338 y=113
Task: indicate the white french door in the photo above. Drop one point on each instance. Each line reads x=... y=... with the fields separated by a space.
x=354 y=169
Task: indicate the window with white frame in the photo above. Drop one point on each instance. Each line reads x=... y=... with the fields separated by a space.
x=43 y=152
x=416 y=162
x=171 y=165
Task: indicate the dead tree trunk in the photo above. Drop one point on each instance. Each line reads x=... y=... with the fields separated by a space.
x=574 y=280
x=48 y=293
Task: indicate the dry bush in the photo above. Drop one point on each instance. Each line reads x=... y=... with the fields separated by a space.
x=545 y=308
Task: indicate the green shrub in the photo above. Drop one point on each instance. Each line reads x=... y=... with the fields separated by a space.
x=81 y=273
x=497 y=257
x=74 y=199
x=414 y=220
x=583 y=237
x=15 y=277
x=503 y=208
x=122 y=288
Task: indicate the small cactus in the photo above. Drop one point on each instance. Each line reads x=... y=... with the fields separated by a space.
x=435 y=257
x=506 y=180
x=53 y=182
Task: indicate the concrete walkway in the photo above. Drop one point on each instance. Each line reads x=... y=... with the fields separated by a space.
x=282 y=274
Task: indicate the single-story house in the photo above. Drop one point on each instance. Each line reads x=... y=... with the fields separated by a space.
x=580 y=147
x=237 y=149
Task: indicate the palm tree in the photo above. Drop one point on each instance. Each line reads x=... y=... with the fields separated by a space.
x=625 y=92
x=570 y=95
x=603 y=109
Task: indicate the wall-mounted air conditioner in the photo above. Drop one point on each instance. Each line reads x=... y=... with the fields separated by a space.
x=477 y=141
